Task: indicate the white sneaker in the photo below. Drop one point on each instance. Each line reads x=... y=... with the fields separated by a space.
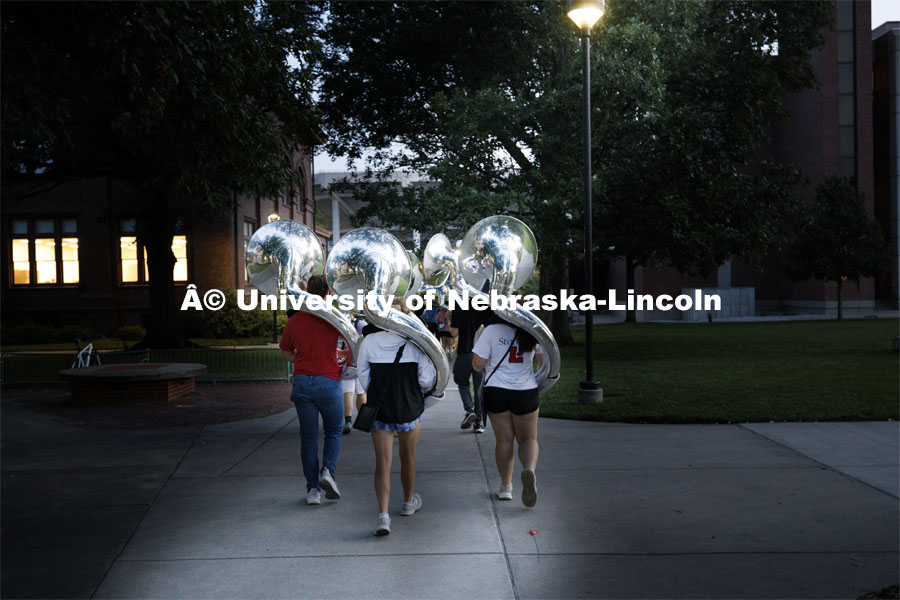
x=505 y=492
x=411 y=507
x=327 y=483
x=314 y=496
x=529 y=488
x=384 y=526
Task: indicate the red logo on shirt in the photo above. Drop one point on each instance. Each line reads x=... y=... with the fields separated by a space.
x=515 y=356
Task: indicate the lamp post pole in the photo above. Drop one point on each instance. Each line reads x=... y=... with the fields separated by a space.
x=274 y=216
x=585 y=14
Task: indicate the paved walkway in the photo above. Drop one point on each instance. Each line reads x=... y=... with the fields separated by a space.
x=804 y=510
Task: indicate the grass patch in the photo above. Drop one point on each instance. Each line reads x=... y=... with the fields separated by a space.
x=735 y=372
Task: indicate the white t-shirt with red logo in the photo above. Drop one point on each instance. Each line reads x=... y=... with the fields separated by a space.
x=516 y=371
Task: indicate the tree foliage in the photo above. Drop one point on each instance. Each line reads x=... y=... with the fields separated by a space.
x=837 y=238
x=489 y=107
x=189 y=103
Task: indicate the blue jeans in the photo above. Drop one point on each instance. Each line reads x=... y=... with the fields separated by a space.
x=312 y=395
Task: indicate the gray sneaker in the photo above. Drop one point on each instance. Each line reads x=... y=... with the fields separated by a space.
x=529 y=488
x=411 y=507
x=327 y=483
x=384 y=526
x=314 y=496
x=505 y=492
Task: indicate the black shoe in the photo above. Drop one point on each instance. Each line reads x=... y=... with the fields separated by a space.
x=479 y=428
x=468 y=420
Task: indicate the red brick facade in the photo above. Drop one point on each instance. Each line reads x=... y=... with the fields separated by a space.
x=99 y=301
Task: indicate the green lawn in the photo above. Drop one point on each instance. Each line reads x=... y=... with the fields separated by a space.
x=652 y=372
x=734 y=372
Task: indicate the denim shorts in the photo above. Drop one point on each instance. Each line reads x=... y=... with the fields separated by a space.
x=398 y=427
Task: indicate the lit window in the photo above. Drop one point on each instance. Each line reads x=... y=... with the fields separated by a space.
x=128 y=249
x=70 y=259
x=21 y=262
x=137 y=271
x=45 y=260
x=179 y=249
x=41 y=255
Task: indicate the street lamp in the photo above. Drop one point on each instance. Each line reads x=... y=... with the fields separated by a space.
x=584 y=13
x=274 y=216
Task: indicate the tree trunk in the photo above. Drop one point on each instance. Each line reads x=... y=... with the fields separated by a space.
x=630 y=266
x=555 y=277
x=163 y=320
x=840 y=284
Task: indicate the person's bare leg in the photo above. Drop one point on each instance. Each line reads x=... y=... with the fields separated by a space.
x=348 y=404
x=525 y=427
x=384 y=447
x=502 y=425
x=360 y=400
x=408 y=441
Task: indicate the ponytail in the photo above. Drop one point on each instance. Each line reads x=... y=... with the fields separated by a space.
x=526 y=340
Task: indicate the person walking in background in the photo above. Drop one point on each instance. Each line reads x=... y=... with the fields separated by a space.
x=506 y=353
x=310 y=343
x=428 y=317
x=350 y=387
x=465 y=323
x=445 y=336
x=396 y=374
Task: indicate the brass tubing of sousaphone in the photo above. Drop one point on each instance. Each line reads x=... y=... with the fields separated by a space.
x=281 y=257
x=372 y=260
x=503 y=250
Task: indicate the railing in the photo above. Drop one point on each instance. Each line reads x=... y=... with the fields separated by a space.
x=240 y=364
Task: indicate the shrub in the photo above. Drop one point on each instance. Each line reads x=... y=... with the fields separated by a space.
x=29 y=333
x=232 y=322
x=67 y=333
x=131 y=333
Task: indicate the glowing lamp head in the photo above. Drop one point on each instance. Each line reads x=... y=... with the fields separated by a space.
x=584 y=13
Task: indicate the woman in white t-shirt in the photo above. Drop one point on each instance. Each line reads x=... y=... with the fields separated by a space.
x=505 y=354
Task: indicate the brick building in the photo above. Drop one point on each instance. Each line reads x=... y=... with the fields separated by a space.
x=70 y=263
x=886 y=130
x=830 y=132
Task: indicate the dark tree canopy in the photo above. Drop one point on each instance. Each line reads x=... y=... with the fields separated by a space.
x=188 y=103
x=485 y=98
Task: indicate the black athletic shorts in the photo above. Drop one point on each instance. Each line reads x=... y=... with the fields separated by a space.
x=520 y=402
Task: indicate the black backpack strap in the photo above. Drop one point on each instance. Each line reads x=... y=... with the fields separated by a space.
x=400 y=352
x=485 y=380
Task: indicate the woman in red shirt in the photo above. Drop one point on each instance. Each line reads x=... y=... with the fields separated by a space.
x=309 y=342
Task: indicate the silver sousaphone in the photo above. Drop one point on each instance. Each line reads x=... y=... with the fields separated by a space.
x=372 y=260
x=281 y=257
x=501 y=250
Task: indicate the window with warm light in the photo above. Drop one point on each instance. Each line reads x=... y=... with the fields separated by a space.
x=44 y=251
x=133 y=258
x=179 y=249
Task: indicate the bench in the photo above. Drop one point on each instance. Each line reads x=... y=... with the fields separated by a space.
x=155 y=382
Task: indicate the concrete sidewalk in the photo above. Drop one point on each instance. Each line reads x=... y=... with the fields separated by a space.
x=805 y=510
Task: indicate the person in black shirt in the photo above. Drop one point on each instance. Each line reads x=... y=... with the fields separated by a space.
x=466 y=323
